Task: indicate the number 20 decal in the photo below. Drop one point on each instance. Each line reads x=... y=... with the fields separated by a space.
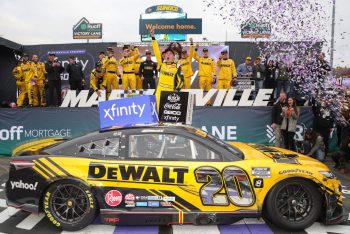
x=233 y=180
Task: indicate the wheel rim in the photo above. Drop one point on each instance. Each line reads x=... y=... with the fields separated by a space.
x=294 y=202
x=69 y=203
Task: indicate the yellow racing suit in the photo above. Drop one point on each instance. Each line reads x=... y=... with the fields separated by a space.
x=30 y=76
x=110 y=66
x=206 y=71
x=21 y=85
x=227 y=72
x=97 y=81
x=39 y=88
x=170 y=75
x=186 y=67
x=137 y=73
x=128 y=64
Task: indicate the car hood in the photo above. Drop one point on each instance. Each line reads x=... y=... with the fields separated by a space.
x=35 y=146
x=275 y=154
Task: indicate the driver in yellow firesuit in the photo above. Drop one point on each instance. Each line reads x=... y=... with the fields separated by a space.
x=110 y=67
x=170 y=75
x=186 y=65
x=40 y=81
x=21 y=85
x=207 y=70
x=227 y=71
x=128 y=63
x=30 y=76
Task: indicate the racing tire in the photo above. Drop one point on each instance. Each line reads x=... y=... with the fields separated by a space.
x=293 y=204
x=69 y=205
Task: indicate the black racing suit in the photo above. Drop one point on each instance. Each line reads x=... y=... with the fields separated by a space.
x=148 y=70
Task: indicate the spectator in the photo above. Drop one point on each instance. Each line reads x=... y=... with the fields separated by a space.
x=322 y=69
x=76 y=75
x=316 y=144
x=283 y=78
x=340 y=157
x=277 y=118
x=54 y=69
x=290 y=115
x=323 y=121
x=270 y=76
x=245 y=69
x=258 y=73
x=148 y=72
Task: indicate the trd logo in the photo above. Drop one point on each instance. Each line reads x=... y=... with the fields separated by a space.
x=14 y=133
x=258 y=183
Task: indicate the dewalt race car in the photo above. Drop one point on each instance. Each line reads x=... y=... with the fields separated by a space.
x=161 y=175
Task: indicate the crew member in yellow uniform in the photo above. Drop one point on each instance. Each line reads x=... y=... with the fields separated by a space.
x=21 y=85
x=110 y=66
x=206 y=70
x=30 y=76
x=128 y=64
x=39 y=88
x=97 y=82
x=186 y=65
x=227 y=71
x=137 y=73
x=170 y=75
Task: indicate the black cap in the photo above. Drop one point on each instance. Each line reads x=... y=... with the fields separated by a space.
x=148 y=52
x=102 y=53
x=51 y=54
x=72 y=57
x=98 y=64
x=184 y=51
x=205 y=50
x=224 y=52
x=25 y=55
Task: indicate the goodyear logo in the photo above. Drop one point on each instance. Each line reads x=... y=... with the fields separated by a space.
x=137 y=173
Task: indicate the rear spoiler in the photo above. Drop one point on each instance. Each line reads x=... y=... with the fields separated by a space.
x=32 y=147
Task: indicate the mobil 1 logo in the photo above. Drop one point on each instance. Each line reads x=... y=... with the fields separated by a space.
x=175 y=107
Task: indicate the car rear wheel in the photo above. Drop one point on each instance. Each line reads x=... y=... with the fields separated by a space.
x=293 y=204
x=69 y=205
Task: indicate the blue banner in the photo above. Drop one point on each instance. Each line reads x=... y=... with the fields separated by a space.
x=128 y=111
x=170 y=26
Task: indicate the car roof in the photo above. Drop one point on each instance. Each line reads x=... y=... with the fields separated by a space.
x=155 y=126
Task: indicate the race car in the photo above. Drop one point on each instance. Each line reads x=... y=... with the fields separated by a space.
x=162 y=175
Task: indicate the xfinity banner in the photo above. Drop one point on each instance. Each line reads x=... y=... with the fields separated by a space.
x=246 y=124
x=170 y=26
x=128 y=111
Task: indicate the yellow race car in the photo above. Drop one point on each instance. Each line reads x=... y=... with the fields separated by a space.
x=160 y=175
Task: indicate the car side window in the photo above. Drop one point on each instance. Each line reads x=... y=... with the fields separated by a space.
x=103 y=147
x=168 y=146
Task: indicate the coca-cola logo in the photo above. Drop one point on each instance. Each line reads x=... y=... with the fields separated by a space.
x=174 y=106
x=113 y=198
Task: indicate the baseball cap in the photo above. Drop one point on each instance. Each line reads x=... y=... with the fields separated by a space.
x=248 y=58
x=184 y=51
x=224 y=52
x=205 y=50
x=168 y=49
x=51 y=54
x=25 y=55
x=148 y=52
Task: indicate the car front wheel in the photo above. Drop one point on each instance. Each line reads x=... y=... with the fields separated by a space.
x=293 y=204
x=69 y=205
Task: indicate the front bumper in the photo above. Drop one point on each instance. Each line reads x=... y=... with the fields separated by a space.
x=26 y=207
x=335 y=213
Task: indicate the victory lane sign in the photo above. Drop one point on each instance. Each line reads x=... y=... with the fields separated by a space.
x=176 y=107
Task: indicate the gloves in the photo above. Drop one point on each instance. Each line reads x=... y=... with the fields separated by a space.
x=234 y=82
x=120 y=82
x=214 y=80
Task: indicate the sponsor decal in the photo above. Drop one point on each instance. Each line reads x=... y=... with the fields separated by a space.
x=166 y=204
x=261 y=172
x=155 y=198
x=113 y=198
x=168 y=198
x=153 y=203
x=130 y=204
x=258 y=183
x=292 y=171
x=129 y=197
x=140 y=173
x=19 y=184
x=16 y=133
x=111 y=220
x=141 y=204
x=174 y=98
x=219 y=97
x=141 y=197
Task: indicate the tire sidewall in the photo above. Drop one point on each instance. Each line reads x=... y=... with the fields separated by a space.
x=56 y=221
x=275 y=217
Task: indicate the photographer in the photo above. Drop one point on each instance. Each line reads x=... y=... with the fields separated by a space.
x=76 y=75
x=54 y=69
